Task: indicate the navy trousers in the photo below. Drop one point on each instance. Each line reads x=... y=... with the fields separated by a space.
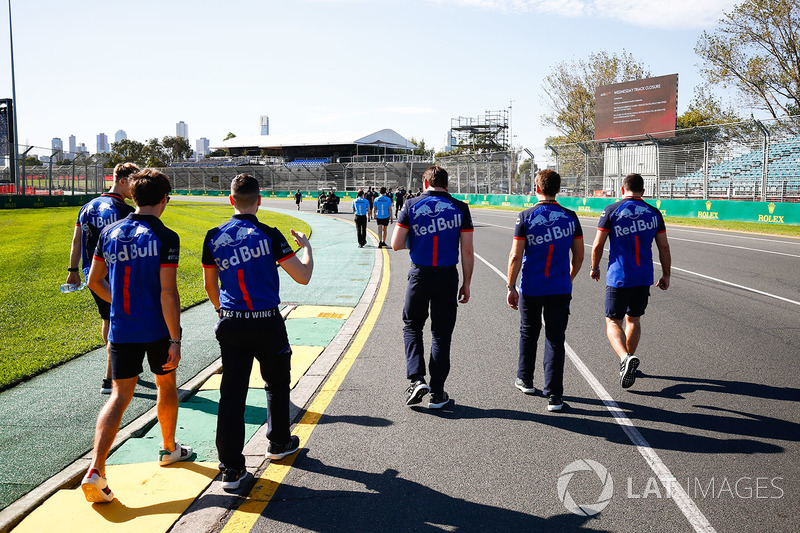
x=556 y=316
x=241 y=341
x=361 y=229
x=435 y=288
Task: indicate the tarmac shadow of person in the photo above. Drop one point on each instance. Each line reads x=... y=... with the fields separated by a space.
x=388 y=502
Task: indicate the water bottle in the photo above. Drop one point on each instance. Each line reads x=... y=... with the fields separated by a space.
x=72 y=287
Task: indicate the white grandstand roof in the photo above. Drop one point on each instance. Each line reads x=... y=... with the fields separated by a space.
x=385 y=138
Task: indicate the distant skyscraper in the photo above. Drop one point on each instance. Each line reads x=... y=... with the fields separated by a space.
x=102 y=143
x=120 y=135
x=82 y=149
x=72 y=145
x=202 y=147
x=182 y=130
x=264 y=125
x=58 y=149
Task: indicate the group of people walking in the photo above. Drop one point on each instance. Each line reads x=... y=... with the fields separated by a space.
x=130 y=260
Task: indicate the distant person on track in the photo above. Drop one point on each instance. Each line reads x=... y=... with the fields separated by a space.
x=631 y=225
x=370 y=195
x=240 y=273
x=543 y=239
x=360 y=210
x=399 y=198
x=433 y=226
x=383 y=216
x=140 y=256
x=298 y=197
x=93 y=217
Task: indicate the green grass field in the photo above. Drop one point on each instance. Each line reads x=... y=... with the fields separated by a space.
x=41 y=327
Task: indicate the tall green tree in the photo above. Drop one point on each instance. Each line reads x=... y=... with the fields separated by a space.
x=421 y=148
x=127 y=150
x=568 y=91
x=705 y=109
x=154 y=154
x=755 y=50
x=177 y=148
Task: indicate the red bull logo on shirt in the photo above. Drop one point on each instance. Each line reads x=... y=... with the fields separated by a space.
x=552 y=234
x=636 y=226
x=131 y=252
x=437 y=225
x=241 y=254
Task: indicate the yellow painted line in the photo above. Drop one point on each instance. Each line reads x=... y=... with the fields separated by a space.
x=245 y=517
x=302 y=358
x=148 y=498
x=321 y=311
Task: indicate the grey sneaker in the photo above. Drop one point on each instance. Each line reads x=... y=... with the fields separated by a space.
x=438 y=401
x=627 y=371
x=525 y=386
x=416 y=391
x=279 y=451
x=232 y=478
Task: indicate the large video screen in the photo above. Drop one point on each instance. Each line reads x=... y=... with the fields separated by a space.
x=631 y=109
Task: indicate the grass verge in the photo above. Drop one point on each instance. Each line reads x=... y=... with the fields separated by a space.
x=788 y=230
x=40 y=327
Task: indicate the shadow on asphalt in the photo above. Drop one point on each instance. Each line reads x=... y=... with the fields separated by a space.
x=387 y=502
x=589 y=416
x=358 y=420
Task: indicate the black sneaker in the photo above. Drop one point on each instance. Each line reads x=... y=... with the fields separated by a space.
x=627 y=371
x=105 y=388
x=232 y=478
x=279 y=451
x=525 y=386
x=416 y=391
x=438 y=401
x=555 y=403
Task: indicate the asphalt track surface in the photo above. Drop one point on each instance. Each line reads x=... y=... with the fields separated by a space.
x=714 y=413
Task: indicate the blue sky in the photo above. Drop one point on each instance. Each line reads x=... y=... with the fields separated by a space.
x=320 y=65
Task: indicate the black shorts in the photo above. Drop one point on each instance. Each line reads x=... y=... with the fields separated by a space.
x=103 y=307
x=631 y=301
x=127 y=357
x=382 y=221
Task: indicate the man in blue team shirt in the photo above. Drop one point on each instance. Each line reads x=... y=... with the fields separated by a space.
x=360 y=210
x=433 y=226
x=242 y=256
x=543 y=239
x=632 y=225
x=383 y=216
x=140 y=256
x=92 y=218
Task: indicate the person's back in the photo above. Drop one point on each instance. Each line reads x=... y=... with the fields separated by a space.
x=632 y=225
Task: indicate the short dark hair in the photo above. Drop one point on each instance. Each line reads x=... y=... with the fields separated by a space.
x=549 y=181
x=149 y=187
x=245 y=190
x=633 y=183
x=436 y=176
x=383 y=190
x=124 y=170
x=360 y=193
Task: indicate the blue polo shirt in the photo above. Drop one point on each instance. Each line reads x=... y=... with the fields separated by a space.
x=434 y=221
x=383 y=207
x=93 y=217
x=246 y=252
x=548 y=231
x=135 y=249
x=632 y=226
x=360 y=206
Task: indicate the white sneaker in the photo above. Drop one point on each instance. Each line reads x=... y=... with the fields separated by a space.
x=95 y=488
x=180 y=453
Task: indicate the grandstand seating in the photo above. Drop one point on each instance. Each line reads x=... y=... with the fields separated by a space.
x=309 y=162
x=741 y=176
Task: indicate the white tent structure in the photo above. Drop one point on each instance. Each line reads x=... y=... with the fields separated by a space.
x=385 y=138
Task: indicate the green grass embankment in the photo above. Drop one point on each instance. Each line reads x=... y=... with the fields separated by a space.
x=40 y=327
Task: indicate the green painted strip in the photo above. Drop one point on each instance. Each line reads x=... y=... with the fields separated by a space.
x=312 y=331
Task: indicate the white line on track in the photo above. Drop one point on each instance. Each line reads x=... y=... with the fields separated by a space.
x=687 y=506
x=744 y=288
x=734 y=246
x=732 y=234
